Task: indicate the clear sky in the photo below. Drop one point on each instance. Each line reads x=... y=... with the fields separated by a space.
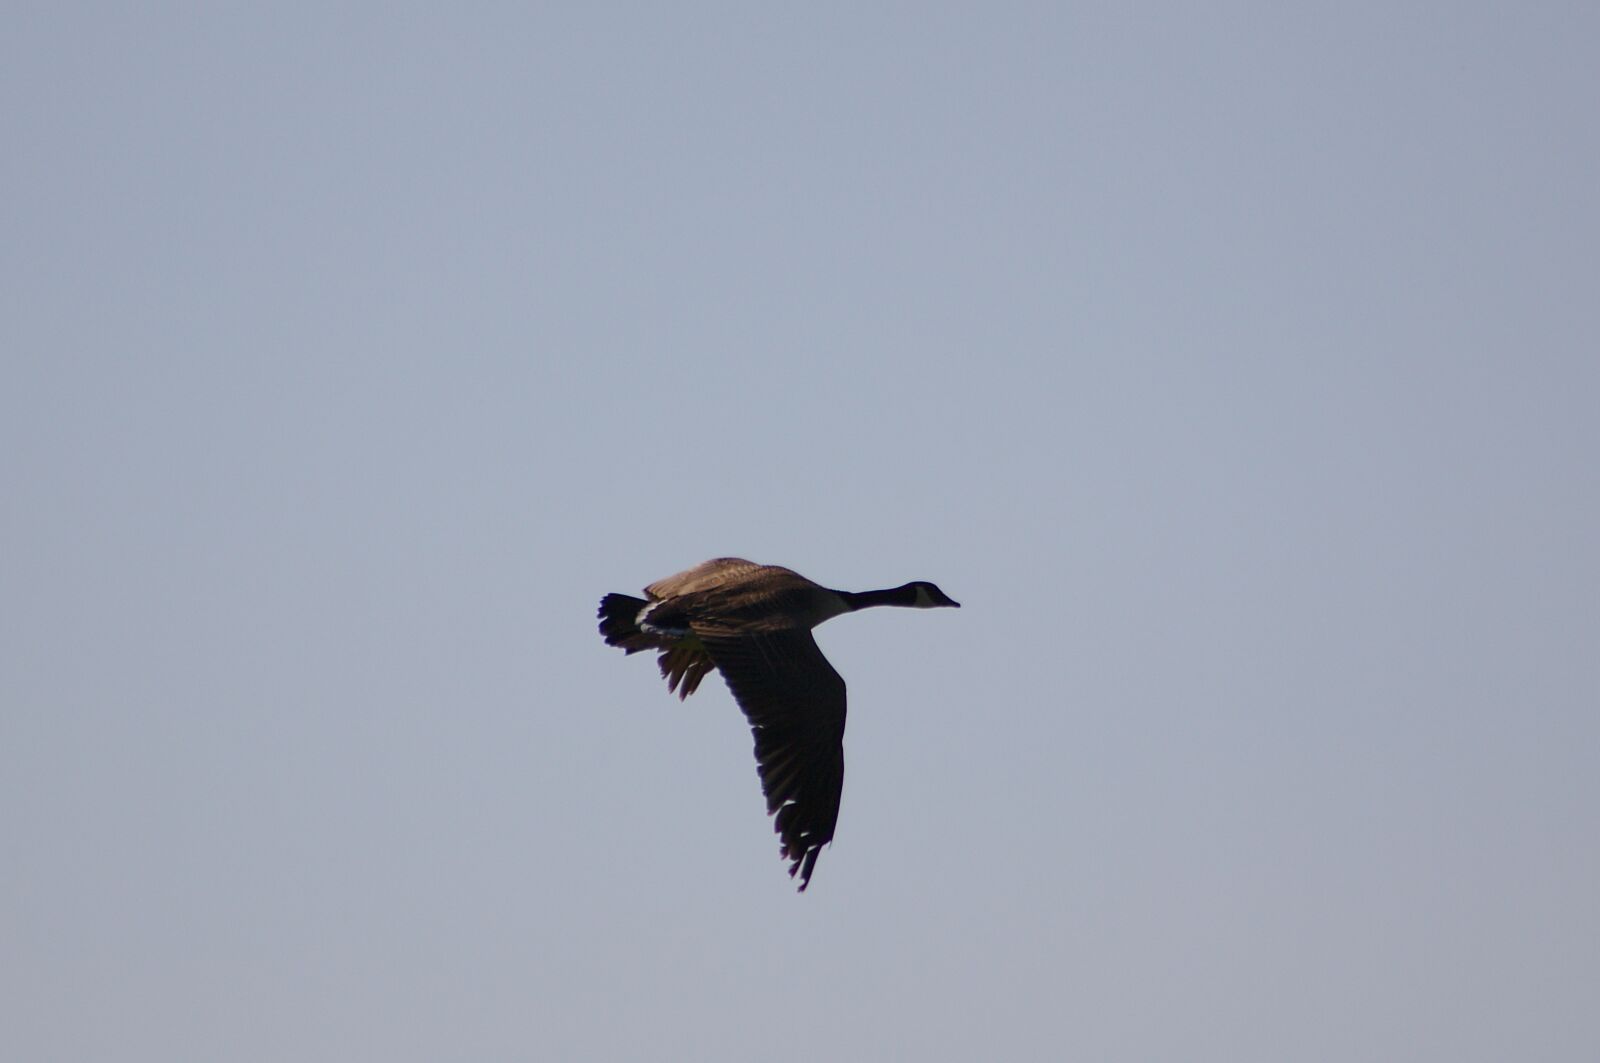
x=1236 y=366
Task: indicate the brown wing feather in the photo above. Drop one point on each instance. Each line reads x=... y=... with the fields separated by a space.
x=734 y=597
x=707 y=575
x=795 y=703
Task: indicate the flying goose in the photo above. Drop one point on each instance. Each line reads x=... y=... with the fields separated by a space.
x=753 y=623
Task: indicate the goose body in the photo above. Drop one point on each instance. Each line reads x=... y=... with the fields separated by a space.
x=753 y=624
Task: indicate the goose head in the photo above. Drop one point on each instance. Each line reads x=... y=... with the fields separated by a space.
x=930 y=597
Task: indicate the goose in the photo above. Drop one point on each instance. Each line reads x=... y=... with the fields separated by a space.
x=753 y=624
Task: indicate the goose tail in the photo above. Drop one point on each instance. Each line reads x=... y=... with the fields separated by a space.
x=619 y=624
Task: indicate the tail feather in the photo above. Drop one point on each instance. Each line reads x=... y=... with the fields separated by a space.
x=619 y=625
x=683 y=661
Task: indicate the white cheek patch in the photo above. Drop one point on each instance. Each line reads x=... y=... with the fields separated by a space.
x=924 y=599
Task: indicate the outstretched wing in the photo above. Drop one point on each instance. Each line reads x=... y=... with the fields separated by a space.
x=795 y=703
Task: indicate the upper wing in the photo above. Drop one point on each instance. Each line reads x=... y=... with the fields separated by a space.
x=795 y=702
x=706 y=576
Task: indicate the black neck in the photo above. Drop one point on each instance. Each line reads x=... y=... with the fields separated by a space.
x=906 y=595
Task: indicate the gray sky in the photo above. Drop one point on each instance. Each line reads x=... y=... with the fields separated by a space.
x=1236 y=370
